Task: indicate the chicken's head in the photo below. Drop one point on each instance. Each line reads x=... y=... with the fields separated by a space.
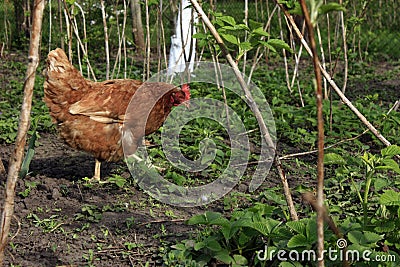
x=181 y=96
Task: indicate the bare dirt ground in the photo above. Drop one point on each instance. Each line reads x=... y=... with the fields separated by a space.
x=63 y=222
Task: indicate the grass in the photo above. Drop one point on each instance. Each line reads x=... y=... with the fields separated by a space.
x=362 y=178
x=347 y=173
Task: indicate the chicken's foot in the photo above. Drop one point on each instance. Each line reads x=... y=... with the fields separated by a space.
x=96 y=176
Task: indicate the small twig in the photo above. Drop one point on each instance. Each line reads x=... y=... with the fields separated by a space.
x=286 y=189
x=394 y=107
x=56 y=227
x=80 y=192
x=69 y=21
x=148 y=51
x=106 y=45
x=249 y=131
x=162 y=221
x=325 y=148
x=131 y=261
x=284 y=56
x=19 y=228
x=309 y=198
x=346 y=62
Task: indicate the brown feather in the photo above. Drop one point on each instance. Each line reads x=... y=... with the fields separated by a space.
x=90 y=115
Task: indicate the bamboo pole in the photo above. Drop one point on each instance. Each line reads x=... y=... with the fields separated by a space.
x=23 y=126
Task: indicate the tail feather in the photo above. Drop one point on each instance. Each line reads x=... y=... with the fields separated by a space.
x=61 y=86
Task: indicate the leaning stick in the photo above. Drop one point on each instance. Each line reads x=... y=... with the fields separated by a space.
x=252 y=104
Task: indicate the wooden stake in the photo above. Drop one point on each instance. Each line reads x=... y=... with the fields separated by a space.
x=23 y=126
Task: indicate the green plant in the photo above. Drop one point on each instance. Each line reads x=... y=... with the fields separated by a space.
x=254 y=235
x=118 y=180
x=28 y=188
x=90 y=257
x=240 y=37
x=90 y=213
x=47 y=224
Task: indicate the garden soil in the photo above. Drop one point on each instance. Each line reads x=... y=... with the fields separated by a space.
x=61 y=221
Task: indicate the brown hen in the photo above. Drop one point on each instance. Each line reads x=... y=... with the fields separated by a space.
x=90 y=115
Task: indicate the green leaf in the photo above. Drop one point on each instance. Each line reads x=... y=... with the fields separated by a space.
x=333 y=158
x=30 y=153
x=200 y=35
x=355 y=237
x=246 y=46
x=212 y=216
x=224 y=256
x=260 y=31
x=241 y=27
x=380 y=183
x=311 y=230
x=262 y=228
x=365 y=238
x=199 y=245
x=118 y=180
x=390 y=151
x=324 y=9
x=271 y=224
x=245 y=237
x=243 y=222
x=228 y=19
x=230 y=38
x=279 y=44
x=389 y=164
x=197 y=219
x=385 y=226
x=239 y=259
x=208 y=218
x=390 y=198
x=227 y=27
x=296 y=241
x=267 y=45
x=372 y=237
x=213 y=245
x=297 y=226
x=220 y=221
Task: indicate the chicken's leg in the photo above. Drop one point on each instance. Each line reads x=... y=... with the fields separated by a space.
x=96 y=176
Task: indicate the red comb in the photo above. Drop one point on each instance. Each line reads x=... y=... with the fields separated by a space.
x=186 y=89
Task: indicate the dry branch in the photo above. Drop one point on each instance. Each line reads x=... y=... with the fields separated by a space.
x=334 y=86
x=320 y=126
x=23 y=126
